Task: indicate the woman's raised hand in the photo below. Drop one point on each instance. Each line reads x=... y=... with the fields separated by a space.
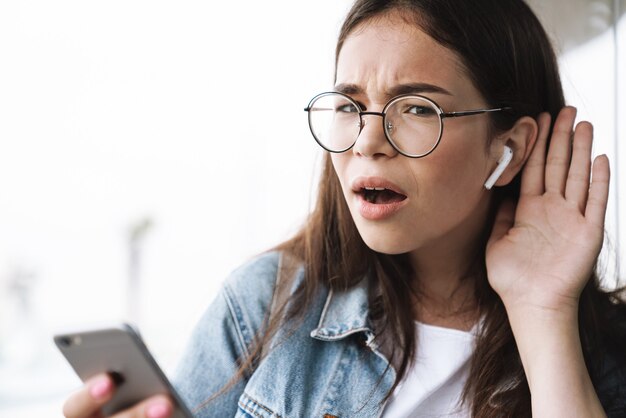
x=88 y=400
x=542 y=252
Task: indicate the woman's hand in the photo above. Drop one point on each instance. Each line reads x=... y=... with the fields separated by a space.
x=542 y=252
x=540 y=256
x=87 y=401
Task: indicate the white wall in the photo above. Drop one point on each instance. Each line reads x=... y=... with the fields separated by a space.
x=186 y=113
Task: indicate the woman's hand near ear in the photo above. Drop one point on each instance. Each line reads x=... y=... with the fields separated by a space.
x=542 y=252
x=540 y=255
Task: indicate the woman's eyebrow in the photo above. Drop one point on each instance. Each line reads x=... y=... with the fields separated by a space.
x=347 y=88
x=409 y=88
x=416 y=88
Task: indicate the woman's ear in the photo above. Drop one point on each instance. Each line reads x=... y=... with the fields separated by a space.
x=520 y=139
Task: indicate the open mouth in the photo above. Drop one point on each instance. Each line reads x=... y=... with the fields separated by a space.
x=380 y=195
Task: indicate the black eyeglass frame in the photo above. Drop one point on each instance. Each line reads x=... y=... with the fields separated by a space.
x=440 y=113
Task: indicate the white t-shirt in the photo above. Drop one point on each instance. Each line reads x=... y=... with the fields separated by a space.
x=432 y=387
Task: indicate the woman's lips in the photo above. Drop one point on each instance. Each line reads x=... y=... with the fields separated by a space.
x=370 y=192
x=373 y=182
x=378 y=211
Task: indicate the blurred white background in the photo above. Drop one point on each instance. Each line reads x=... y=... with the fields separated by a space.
x=166 y=142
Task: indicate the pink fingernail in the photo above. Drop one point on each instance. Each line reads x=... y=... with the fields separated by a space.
x=101 y=388
x=158 y=410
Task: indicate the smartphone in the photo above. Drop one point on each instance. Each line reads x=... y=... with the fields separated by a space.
x=119 y=351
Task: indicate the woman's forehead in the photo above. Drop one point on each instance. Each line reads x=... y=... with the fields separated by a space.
x=383 y=53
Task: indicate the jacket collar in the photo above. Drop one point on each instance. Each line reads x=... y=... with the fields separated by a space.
x=345 y=313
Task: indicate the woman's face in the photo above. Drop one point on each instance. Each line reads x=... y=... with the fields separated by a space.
x=445 y=203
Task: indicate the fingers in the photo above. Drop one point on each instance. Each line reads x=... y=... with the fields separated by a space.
x=159 y=406
x=577 y=186
x=568 y=166
x=534 y=171
x=87 y=401
x=599 y=191
x=558 y=160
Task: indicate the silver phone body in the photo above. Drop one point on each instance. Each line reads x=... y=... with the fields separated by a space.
x=119 y=349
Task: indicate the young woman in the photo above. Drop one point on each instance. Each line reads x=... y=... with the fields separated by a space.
x=448 y=266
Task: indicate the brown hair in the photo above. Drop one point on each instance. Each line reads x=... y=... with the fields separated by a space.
x=508 y=57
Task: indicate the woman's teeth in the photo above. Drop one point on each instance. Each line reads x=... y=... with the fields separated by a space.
x=380 y=195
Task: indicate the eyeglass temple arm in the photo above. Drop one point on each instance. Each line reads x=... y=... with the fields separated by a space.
x=472 y=112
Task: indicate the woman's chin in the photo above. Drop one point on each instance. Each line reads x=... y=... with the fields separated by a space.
x=385 y=245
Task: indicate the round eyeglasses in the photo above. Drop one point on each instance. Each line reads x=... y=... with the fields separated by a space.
x=413 y=124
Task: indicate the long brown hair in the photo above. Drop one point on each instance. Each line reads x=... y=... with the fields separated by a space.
x=508 y=57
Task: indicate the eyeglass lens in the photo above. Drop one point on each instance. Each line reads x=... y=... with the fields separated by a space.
x=412 y=123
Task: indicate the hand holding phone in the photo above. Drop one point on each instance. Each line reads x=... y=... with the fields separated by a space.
x=87 y=402
x=120 y=374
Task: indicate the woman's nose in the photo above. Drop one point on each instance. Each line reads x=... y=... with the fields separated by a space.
x=372 y=141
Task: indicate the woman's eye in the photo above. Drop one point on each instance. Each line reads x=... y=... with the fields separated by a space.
x=419 y=110
x=346 y=108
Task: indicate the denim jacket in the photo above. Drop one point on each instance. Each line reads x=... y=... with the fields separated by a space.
x=331 y=366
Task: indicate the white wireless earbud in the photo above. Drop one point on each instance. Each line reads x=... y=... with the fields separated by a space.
x=503 y=162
